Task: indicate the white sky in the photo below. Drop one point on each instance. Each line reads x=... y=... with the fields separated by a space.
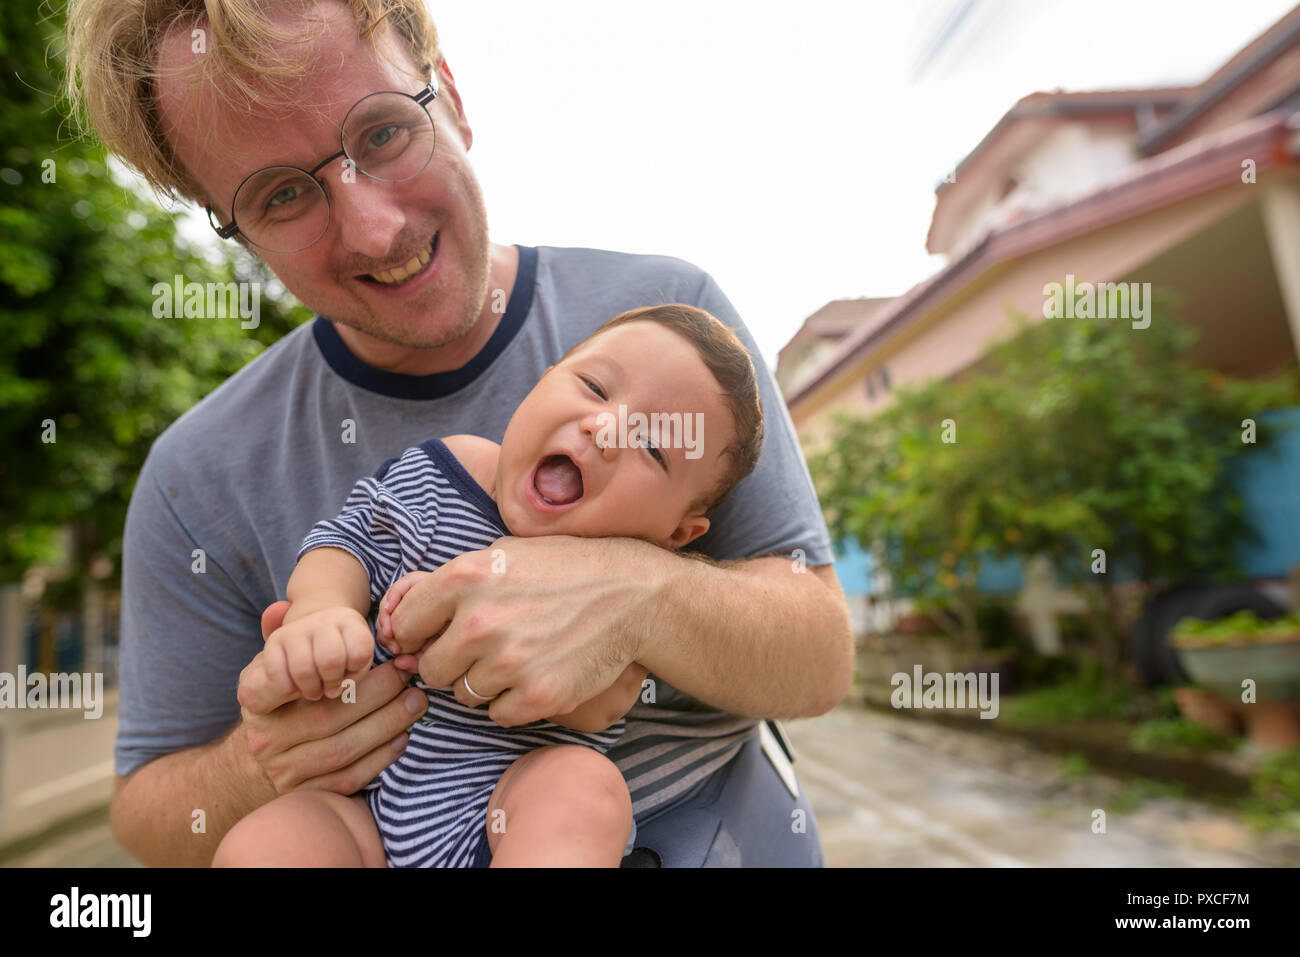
x=783 y=147
x=789 y=149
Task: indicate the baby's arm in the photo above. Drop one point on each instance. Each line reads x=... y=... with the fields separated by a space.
x=324 y=638
x=608 y=706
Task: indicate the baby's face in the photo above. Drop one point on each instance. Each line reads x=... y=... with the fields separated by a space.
x=569 y=467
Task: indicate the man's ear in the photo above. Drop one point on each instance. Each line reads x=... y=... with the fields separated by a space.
x=447 y=88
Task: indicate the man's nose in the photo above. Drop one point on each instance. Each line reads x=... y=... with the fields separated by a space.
x=366 y=213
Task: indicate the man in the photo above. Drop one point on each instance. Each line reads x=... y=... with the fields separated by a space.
x=426 y=328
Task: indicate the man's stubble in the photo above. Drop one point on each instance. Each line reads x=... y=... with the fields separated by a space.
x=363 y=318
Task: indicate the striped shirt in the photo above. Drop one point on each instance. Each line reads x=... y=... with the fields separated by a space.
x=416 y=513
x=421 y=510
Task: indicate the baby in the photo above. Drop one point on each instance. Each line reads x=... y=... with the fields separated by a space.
x=467 y=792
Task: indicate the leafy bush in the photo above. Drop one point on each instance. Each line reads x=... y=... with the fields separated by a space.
x=1072 y=436
x=83 y=350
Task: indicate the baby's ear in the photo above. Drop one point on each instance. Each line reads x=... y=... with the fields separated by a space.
x=690 y=528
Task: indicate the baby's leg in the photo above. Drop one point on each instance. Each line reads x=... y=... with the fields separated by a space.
x=305 y=829
x=560 y=806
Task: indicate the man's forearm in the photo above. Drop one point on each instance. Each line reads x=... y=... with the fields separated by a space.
x=154 y=811
x=766 y=638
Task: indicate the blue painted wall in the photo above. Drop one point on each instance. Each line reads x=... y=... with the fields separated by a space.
x=1270 y=485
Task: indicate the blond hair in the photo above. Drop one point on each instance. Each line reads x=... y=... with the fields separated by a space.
x=726 y=358
x=113 y=53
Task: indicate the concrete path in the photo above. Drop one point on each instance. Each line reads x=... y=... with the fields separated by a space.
x=898 y=792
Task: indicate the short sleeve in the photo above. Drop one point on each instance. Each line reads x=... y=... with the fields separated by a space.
x=369 y=528
x=774 y=510
x=187 y=629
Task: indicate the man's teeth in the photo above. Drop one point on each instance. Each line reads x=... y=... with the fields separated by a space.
x=393 y=276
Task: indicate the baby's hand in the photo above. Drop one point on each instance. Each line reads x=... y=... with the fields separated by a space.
x=392 y=598
x=309 y=657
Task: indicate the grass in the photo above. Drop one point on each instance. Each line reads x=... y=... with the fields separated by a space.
x=1075 y=766
x=1177 y=734
x=1082 y=698
x=1275 y=793
x=1138 y=791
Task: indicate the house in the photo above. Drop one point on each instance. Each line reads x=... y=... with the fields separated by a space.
x=1194 y=189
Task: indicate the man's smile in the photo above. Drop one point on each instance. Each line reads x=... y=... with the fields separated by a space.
x=402 y=274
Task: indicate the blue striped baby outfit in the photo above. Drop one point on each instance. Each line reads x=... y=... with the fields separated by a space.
x=417 y=512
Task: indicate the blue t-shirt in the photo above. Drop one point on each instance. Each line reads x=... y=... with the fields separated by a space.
x=230 y=490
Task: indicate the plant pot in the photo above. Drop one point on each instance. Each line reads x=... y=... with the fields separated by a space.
x=1273 y=665
x=1274 y=725
x=1208 y=710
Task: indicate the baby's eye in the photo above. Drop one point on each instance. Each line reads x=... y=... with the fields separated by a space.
x=645 y=443
x=594 y=388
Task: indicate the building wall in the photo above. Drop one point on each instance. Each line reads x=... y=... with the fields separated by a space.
x=1071 y=161
x=958 y=331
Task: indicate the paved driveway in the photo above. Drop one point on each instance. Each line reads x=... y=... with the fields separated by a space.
x=898 y=792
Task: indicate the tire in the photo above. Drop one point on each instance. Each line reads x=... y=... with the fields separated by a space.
x=1157 y=661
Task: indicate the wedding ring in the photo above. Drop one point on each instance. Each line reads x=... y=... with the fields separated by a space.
x=465 y=680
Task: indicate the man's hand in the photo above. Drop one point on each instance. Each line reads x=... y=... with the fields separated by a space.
x=333 y=745
x=540 y=625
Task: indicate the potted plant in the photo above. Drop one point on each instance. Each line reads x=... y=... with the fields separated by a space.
x=1209 y=710
x=1221 y=655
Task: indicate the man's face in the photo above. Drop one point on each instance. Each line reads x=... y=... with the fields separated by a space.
x=626 y=491
x=374 y=226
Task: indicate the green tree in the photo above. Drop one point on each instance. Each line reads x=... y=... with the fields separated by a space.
x=1072 y=436
x=80 y=253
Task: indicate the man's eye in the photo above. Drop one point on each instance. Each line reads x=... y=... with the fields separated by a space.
x=283 y=197
x=594 y=388
x=380 y=138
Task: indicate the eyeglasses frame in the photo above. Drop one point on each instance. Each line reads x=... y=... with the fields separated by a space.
x=424 y=97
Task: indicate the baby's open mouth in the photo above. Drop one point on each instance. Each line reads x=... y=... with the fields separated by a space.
x=558 y=480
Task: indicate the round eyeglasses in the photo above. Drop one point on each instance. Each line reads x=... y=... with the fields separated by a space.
x=387 y=136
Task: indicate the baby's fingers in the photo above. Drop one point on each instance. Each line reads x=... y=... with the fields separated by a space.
x=398 y=589
x=258 y=693
x=302 y=666
x=330 y=653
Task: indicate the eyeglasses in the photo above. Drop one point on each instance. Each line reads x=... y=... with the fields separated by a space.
x=387 y=136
